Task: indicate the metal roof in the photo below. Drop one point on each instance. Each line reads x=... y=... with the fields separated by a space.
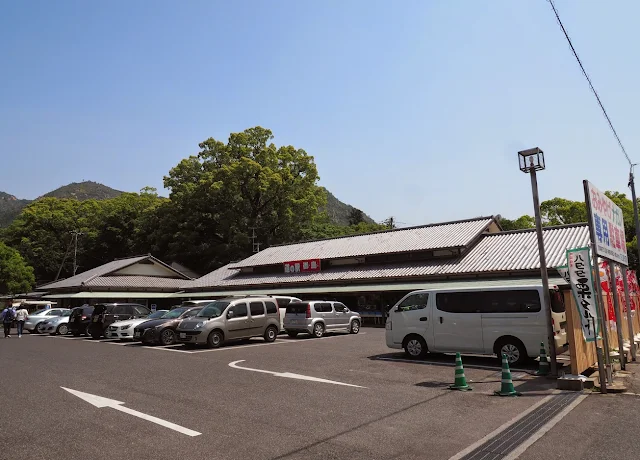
x=434 y=236
x=98 y=276
x=111 y=295
x=80 y=278
x=406 y=286
x=135 y=281
x=495 y=253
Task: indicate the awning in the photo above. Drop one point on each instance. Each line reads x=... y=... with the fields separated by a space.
x=366 y=288
x=111 y=295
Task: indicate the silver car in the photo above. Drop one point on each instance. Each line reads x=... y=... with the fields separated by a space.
x=56 y=325
x=38 y=317
x=231 y=319
x=319 y=316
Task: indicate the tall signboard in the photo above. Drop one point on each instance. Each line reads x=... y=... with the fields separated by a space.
x=608 y=226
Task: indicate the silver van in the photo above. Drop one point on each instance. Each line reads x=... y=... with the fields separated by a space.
x=319 y=316
x=231 y=319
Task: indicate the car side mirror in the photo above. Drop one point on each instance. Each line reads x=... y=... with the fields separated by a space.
x=230 y=314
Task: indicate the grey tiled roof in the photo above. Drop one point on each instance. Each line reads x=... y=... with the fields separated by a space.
x=494 y=253
x=80 y=278
x=435 y=236
x=142 y=282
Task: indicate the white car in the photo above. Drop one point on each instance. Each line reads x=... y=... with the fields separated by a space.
x=56 y=325
x=124 y=329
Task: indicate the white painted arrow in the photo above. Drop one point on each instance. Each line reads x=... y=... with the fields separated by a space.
x=291 y=375
x=100 y=402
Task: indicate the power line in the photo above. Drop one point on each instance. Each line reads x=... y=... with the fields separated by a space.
x=595 y=93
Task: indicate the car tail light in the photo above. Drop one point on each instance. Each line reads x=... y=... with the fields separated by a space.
x=84 y=317
x=308 y=310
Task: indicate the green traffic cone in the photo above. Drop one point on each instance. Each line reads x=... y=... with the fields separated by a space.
x=507 y=388
x=460 y=382
x=544 y=362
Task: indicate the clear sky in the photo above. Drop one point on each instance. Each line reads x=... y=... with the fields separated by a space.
x=414 y=109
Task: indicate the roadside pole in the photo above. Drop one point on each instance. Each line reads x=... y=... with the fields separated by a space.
x=627 y=301
x=545 y=276
x=616 y=309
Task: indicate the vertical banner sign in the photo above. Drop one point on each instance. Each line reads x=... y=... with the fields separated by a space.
x=608 y=226
x=581 y=280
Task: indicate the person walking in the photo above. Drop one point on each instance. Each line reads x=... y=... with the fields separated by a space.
x=21 y=317
x=8 y=316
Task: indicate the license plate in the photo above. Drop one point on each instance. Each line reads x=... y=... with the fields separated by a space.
x=183 y=335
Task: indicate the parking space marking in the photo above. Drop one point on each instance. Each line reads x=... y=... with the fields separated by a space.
x=290 y=375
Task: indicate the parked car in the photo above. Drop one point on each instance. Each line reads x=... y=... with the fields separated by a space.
x=283 y=301
x=497 y=320
x=105 y=314
x=124 y=329
x=80 y=320
x=319 y=316
x=231 y=319
x=56 y=325
x=163 y=330
x=35 y=319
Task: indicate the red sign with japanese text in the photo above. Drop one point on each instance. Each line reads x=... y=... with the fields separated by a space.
x=302 y=266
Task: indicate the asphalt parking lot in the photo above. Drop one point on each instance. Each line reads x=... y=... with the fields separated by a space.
x=340 y=397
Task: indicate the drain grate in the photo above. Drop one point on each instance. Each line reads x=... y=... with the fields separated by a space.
x=508 y=440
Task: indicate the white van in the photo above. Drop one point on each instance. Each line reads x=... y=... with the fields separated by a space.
x=484 y=320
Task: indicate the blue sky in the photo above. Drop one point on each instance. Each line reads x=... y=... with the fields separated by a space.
x=414 y=109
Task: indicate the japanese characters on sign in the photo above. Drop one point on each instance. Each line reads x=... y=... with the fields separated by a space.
x=608 y=226
x=302 y=266
x=581 y=281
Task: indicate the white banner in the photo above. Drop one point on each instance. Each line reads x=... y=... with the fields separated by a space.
x=608 y=226
x=581 y=281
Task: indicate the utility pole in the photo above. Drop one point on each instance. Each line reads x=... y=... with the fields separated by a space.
x=75 y=234
x=256 y=246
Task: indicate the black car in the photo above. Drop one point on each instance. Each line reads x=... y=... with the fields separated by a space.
x=80 y=319
x=163 y=330
x=105 y=314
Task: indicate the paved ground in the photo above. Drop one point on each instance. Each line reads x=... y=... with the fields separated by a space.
x=404 y=410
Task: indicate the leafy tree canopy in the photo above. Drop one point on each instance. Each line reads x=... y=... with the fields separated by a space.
x=15 y=275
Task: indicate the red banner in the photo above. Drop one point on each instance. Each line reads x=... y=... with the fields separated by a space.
x=302 y=266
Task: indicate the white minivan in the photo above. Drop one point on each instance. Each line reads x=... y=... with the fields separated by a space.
x=484 y=320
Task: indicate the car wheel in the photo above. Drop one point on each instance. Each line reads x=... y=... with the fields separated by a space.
x=87 y=330
x=215 y=339
x=355 y=326
x=318 y=330
x=514 y=350
x=63 y=329
x=292 y=334
x=167 y=337
x=96 y=333
x=271 y=334
x=415 y=347
x=38 y=328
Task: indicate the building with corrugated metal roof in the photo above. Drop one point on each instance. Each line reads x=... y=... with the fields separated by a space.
x=369 y=272
x=141 y=279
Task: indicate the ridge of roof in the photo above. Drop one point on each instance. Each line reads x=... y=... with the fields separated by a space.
x=551 y=227
x=388 y=230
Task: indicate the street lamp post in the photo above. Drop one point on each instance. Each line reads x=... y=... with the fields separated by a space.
x=532 y=160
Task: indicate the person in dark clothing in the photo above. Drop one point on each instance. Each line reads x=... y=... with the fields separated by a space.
x=8 y=315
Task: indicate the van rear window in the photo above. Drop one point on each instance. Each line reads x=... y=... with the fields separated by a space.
x=297 y=308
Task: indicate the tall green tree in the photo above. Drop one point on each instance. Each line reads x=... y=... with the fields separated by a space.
x=229 y=190
x=15 y=275
x=560 y=211
x=520 y=223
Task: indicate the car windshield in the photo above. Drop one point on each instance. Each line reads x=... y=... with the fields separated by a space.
x=158 y=314
x=175 y=313
x=213 y=310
